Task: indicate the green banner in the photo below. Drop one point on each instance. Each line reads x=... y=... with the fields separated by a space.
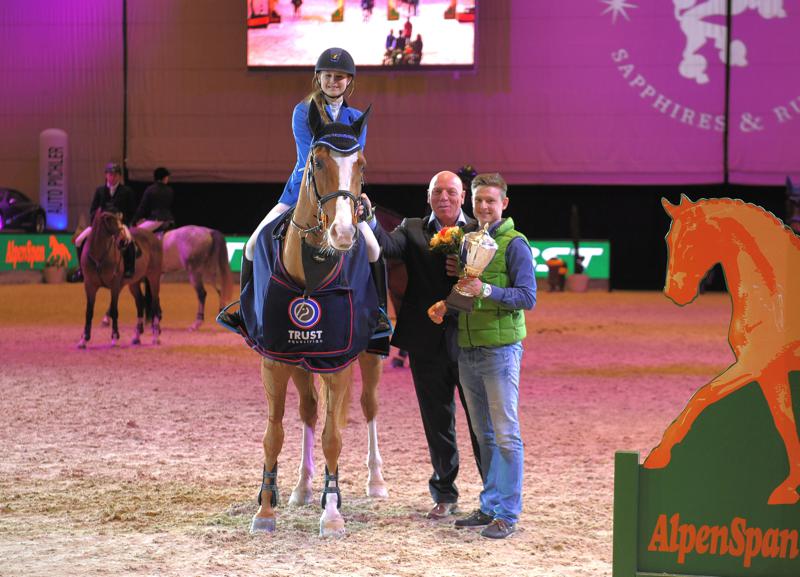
x=596 y=255
x=32 y=251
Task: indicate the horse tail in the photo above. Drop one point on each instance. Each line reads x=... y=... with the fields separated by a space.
x=220 y=249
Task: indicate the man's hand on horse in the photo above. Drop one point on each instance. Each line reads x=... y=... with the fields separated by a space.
x=365 y=211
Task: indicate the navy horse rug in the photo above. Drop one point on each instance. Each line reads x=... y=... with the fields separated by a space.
x=322 y=331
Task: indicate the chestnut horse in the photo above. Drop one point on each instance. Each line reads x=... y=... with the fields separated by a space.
x=101 y=262
x=761 y=260
x=314 y=249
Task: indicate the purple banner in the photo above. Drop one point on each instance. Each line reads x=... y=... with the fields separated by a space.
x=634 y=91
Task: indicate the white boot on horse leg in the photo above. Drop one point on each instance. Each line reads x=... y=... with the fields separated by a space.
x=331 y=524
x=137 y=333
x=376 y=486
x=156 y=330
x=302 y=493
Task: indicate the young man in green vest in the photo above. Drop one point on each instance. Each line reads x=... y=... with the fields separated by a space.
x=490 y=341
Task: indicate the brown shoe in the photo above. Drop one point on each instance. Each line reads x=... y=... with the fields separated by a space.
x=442 y=511
x=499 y=529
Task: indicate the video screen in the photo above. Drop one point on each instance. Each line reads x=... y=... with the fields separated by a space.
x=379 y=34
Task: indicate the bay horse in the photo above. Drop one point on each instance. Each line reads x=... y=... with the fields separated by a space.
x=102 y=265
x=761 y=260
x=202 y=252
x=311 y=289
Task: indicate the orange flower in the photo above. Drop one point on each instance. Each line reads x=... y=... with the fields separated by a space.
x=448 y=240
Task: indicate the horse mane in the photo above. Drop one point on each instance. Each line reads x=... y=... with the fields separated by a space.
x=745 y=212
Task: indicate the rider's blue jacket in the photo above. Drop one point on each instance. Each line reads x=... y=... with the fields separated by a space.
x=302 y=140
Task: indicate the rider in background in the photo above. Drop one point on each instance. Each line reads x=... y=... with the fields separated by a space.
x=154 y=210
x=334 y=79
x=113 y=196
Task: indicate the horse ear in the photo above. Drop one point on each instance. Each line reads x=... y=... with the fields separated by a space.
x=789 y=184
x=685 y=200
x=668 y=206
x=315 y=121
x=359 y=124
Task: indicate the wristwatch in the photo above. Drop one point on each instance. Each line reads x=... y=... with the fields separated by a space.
x=486 y=290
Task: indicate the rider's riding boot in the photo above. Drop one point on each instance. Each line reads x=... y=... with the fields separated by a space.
x=129 y=257
x=378 y=273
x=77 y=276
x=234 y=320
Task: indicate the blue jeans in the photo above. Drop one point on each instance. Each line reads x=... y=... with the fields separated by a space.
x=490 y=378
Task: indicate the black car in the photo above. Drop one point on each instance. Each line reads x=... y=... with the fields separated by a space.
x=19 y=211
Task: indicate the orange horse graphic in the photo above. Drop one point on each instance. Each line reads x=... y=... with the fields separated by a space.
x=761 y=260
x=59 y=251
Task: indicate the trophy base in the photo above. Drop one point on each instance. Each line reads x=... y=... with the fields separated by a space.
x=458 y=302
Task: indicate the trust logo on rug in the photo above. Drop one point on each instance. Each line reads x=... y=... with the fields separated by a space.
x=304 y=312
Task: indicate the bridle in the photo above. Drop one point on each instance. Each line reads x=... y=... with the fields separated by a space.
x=112 y=237
x=321 y=201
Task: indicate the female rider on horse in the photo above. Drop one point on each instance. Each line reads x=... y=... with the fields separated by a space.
x=334 y=78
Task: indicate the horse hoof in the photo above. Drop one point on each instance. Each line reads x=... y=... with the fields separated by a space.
x=136 y=341
x=262 y=525
x=195 y=326
x=156 y=341
x=300 y=496
x=331 y=527
x=106 y=321
x=377 y=491
x=82 y=344
x=113 y=342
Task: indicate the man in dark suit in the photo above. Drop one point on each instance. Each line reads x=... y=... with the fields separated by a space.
x=433 y=351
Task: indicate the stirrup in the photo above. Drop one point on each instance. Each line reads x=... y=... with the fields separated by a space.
x=334 y=490
x=231 y=321
x=384 y=327
x=269 y=483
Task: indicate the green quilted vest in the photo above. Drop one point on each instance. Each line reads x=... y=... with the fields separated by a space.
x=491 y=324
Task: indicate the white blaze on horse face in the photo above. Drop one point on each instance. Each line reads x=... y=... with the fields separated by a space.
x=342 y=232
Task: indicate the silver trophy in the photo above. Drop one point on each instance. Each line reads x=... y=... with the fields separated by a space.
x=477 y=251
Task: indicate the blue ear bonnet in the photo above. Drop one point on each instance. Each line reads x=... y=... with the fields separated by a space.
x=337 y=136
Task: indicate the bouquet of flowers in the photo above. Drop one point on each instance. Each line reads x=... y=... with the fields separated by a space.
x=448 y=240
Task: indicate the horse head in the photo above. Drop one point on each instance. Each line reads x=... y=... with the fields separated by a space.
x=333 y=179
x=692 y=249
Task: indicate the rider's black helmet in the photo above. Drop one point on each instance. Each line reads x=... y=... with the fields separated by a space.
x=337 y=59
x=160 y=173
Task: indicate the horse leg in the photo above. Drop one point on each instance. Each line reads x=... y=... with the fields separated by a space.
x=723 y=385
x=337 y=388
x=775 y=386
x=154 y=280
x=196 y=278
x=91 y=294
x=136 y=291
x=371 y=367
x=114 y=312
x=304 y=381
x=275 y=378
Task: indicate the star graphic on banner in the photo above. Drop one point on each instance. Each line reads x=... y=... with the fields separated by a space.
x=617 y=7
